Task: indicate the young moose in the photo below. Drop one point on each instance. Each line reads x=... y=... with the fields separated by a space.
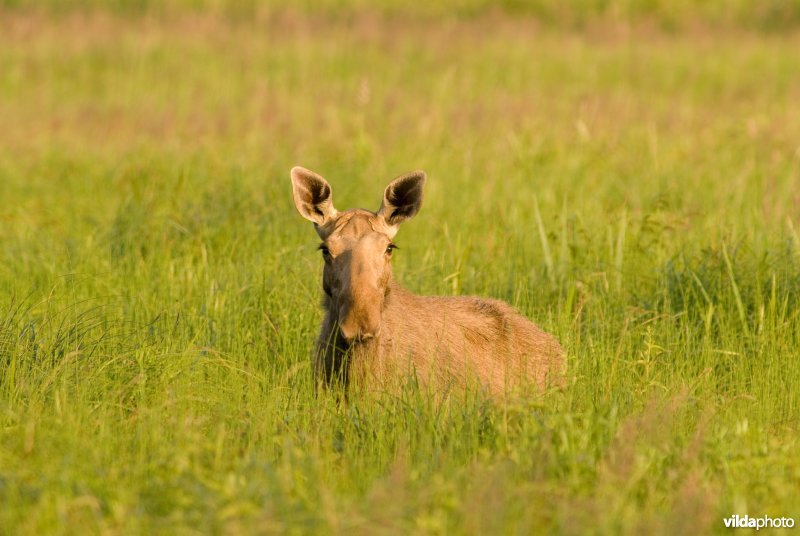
x=375 y=332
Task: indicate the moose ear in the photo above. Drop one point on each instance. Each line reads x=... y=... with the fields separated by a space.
x=312 y=196
x=402 y=198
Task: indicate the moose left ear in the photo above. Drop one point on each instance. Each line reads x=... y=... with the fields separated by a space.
x=312 y=196
x=402 y=199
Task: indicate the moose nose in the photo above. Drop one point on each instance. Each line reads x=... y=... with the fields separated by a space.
x=357 y=335
x=366 y=335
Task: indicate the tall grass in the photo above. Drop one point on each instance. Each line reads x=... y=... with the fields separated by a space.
x=633 y=193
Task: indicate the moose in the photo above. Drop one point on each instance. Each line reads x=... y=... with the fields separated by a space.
x=375 y=332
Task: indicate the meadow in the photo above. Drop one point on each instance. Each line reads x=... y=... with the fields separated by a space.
x=628 y=180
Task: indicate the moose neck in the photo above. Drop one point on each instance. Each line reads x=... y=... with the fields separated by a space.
x=335 y=353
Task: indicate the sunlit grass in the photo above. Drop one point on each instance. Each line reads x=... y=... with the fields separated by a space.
x=634 y=193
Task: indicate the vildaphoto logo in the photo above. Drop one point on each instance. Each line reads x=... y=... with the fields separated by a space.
x=747 y=522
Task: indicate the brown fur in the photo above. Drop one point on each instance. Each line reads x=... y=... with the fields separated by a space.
x=376 y=333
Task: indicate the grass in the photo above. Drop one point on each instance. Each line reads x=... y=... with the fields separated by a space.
x=633 y=190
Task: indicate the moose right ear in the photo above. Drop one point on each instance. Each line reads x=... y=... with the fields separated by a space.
x=402 y=198
x=312 y=196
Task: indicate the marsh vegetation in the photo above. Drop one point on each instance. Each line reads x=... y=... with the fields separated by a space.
x=629 y=181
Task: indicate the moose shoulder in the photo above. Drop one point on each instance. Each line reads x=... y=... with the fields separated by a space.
x=375 y=332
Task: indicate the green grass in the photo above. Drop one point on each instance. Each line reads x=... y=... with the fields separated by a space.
x=632 y=190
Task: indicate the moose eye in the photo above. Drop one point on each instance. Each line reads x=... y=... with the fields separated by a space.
x=326 y=253
x=390 y=248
